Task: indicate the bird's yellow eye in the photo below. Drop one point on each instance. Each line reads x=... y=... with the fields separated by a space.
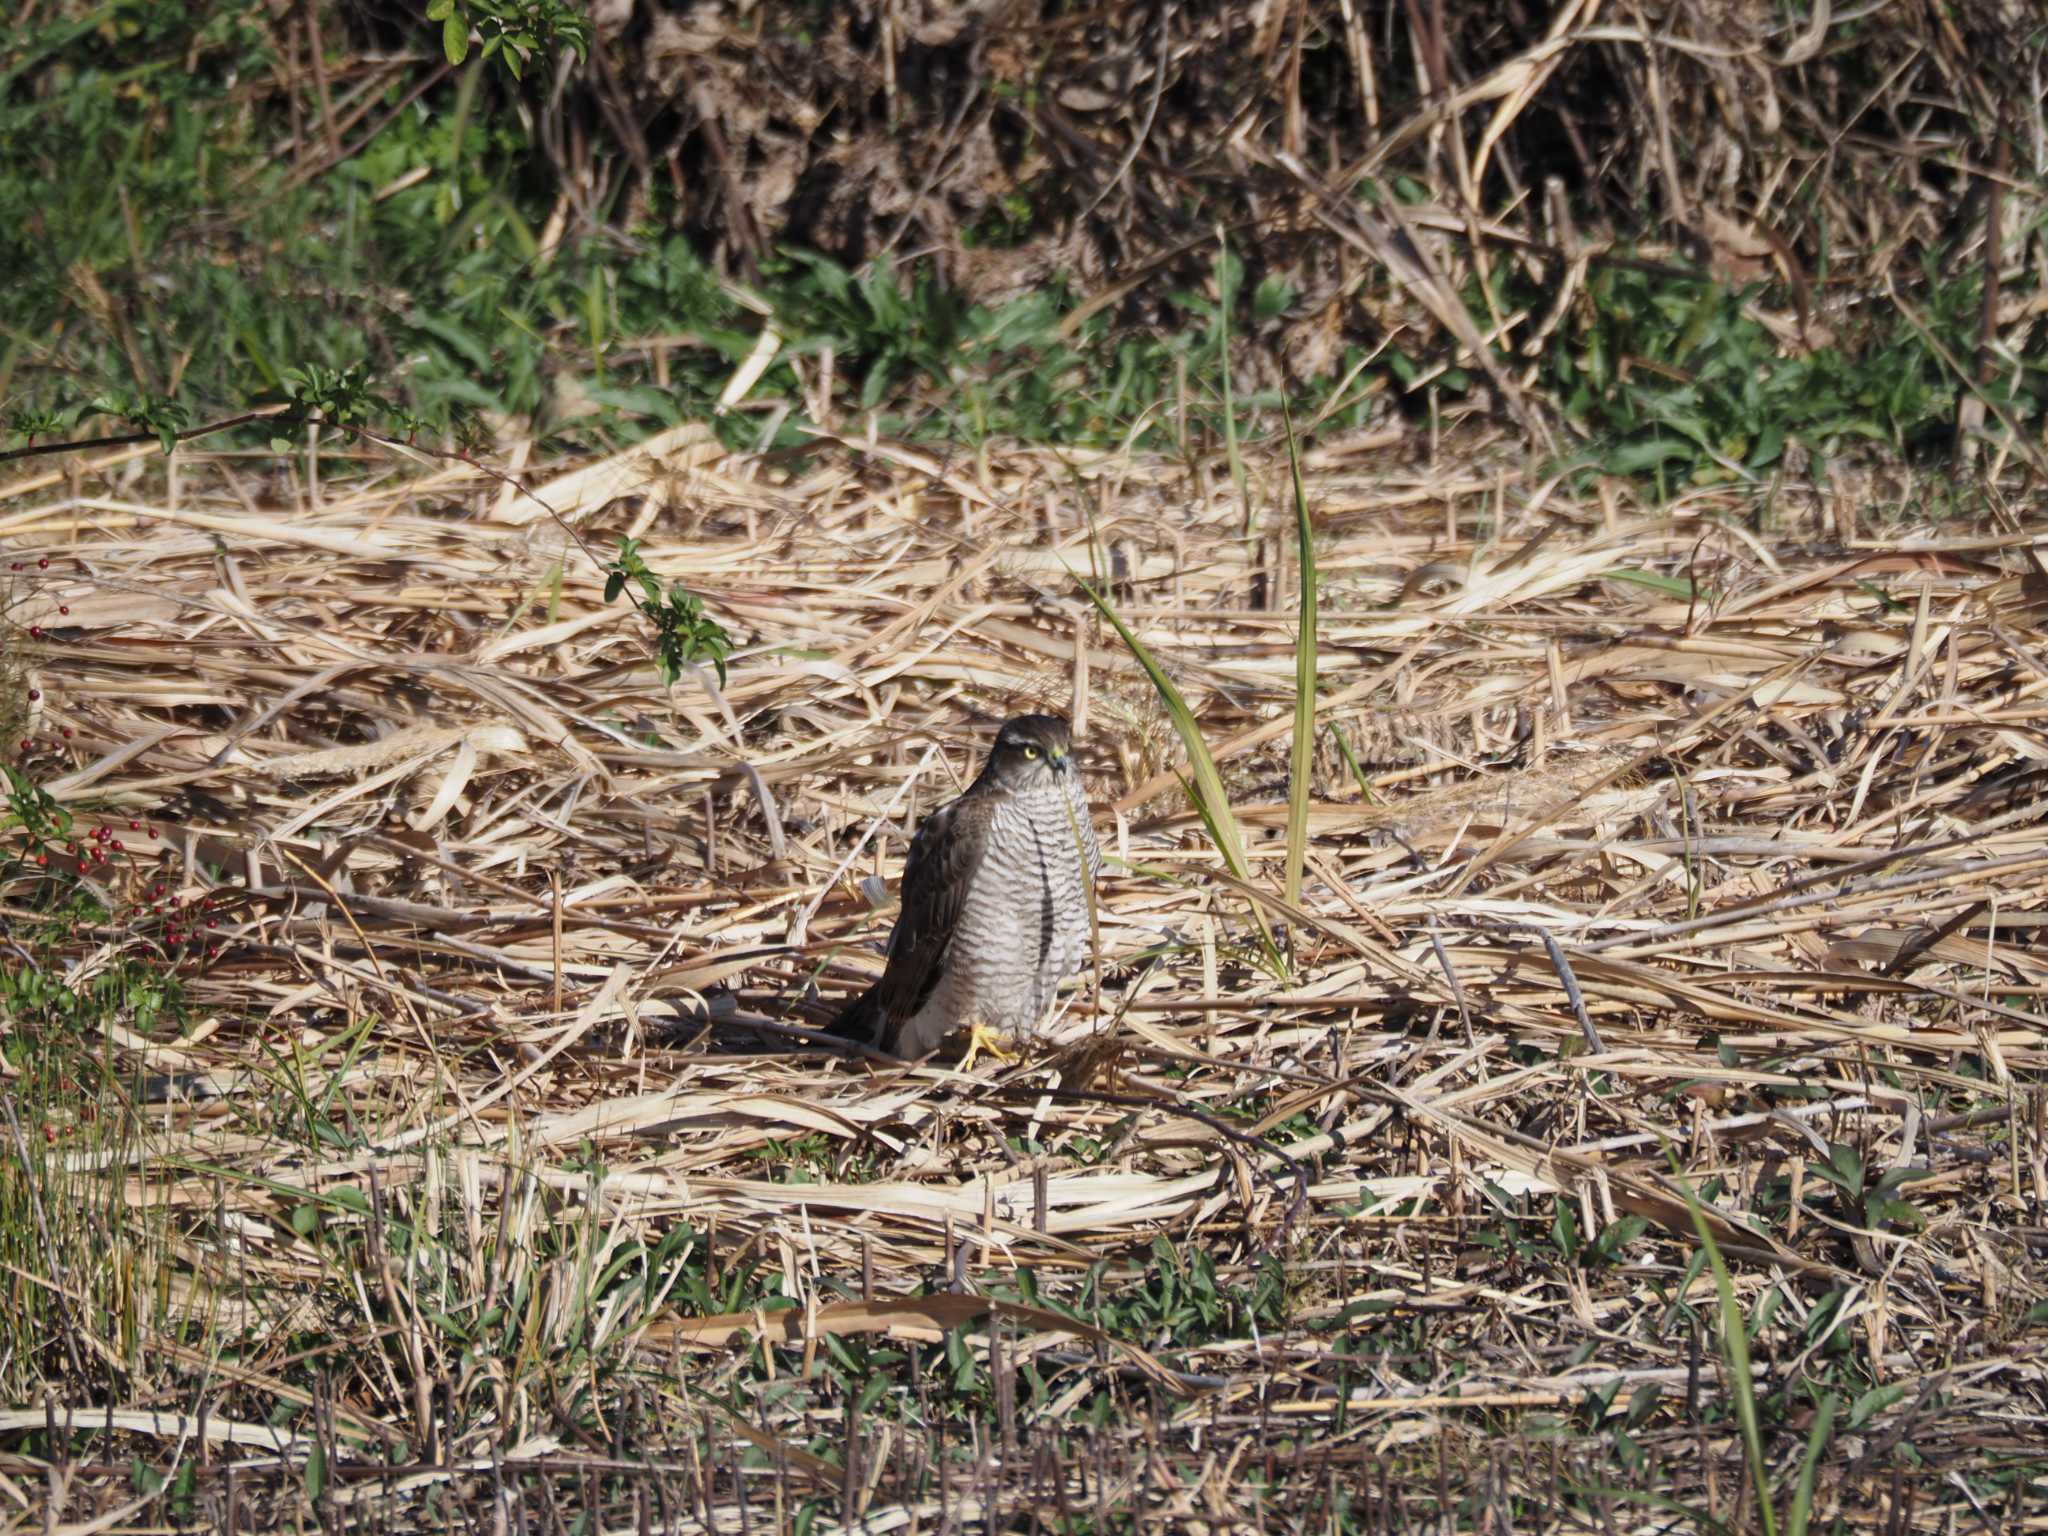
x=1030 y=752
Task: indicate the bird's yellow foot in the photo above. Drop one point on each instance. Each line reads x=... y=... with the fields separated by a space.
x=982 y=1038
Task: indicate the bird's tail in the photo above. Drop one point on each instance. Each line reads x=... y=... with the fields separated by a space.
x=860 y=1020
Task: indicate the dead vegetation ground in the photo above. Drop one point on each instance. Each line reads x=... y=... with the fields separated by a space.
x=472 y=1186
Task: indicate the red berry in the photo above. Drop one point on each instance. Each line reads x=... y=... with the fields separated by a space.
x=43 y=564
x=213 y=951
x=63 y=608
x=42 y=861
x=152 y=832
x=15 y=566
x=67 y=733
x=116 y=845
x=35 y=631
x=134 y=826
x=213 y=922
x=34 y=694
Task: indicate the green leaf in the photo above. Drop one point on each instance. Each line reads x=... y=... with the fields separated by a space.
x=1847 y=1163
x=1271 y=298
x=1642 y=1403
x=1617 y=1235
x=1564 y=1231
x=1627 y=1451
x=1879 y=1211
x=1873 y=1402
x=1670 y=586
x=472 y=349
x=1649 y=453
x=454 y=39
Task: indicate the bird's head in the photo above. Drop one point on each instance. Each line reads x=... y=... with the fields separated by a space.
x=1031 y=749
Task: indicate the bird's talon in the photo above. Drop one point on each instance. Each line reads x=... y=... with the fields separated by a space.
x=981 y=1038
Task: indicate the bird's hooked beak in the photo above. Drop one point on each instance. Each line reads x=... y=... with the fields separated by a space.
x=1058 y=757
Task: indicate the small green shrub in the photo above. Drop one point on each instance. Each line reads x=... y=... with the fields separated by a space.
x=1677 y=380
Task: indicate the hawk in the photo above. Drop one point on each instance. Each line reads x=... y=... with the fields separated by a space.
x=996 y=899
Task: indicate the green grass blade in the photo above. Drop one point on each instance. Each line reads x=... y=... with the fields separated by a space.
x=1211 y=800
x=1816 y=1445
x=1735 y=1344
x=1301 y=760
x=1351 y=761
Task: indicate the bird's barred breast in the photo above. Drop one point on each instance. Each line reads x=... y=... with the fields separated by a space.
x=1024 y=926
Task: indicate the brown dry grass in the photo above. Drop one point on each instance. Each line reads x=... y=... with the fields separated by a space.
x=505 y=928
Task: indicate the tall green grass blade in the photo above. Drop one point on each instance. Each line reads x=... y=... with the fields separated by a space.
x=1212 y=802
x=1816 y=1445
x=1302 y=758
x=1741 y=1382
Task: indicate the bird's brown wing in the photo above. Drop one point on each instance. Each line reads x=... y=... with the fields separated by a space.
x=943 y=859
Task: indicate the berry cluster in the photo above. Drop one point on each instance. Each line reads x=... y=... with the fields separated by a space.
x=189 y=925
x=102 y=842
x=184 y=929
x=37 y=632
